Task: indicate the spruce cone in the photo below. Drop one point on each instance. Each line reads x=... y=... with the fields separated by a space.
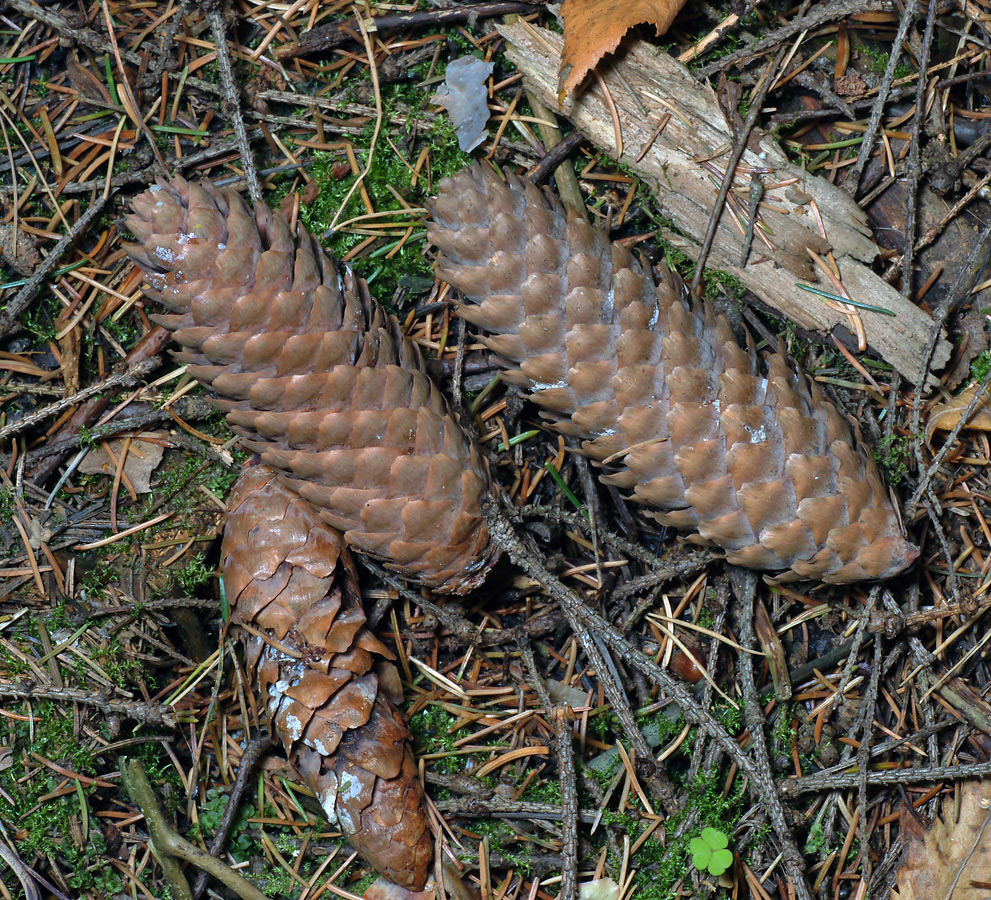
x=758 y=462
x=316 y=380
x=323 y=676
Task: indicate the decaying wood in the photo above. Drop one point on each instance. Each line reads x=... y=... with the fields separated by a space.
x=681 y=162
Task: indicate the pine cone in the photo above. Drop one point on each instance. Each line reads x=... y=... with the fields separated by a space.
x=316 y=380
x=325 y=679
x=757 y=461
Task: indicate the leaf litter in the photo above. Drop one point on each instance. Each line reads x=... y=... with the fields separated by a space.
x=885 y=686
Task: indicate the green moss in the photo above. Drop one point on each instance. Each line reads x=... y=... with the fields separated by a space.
x=41 y=824
x=815 y=841
x=407 y=269
x=195 y=573
x=39 y=318
x=544 y=790
x=603 y=725
x=7 y=505
x=431 y=728
x=783 y=733
x=177 y=480
x=980 y=366
x=892 y=456
x=879 y=57
x=126 y=330
x=121 y=667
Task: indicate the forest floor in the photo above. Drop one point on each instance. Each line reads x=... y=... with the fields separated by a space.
x=114 y=470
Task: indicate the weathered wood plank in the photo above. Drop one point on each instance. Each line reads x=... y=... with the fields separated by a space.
x=673 y=166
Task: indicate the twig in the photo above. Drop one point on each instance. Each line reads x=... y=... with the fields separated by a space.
x=127 y=378
x=169 y=847
x=739 y=146
x=159 y=714
x=914 y=164
x=249 y=759
x=9 y=324
x=874 y=123
x=326 y=37
x=232 y=98
x=836 y=781
x=491 y=807
x=822 y=13
x=566 y=770
x=718 y=623
x=186 y=408
x=744 y=584
x=507 y=540
x=557 y=153
x=691 y=564
x=863 y=754
x=949 y=443
x=166 y=38
x=152 y=344
x=957 y=294
x=694 y=713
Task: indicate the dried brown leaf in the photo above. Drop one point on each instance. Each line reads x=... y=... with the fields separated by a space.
x=593 y=28
x=143 y=457
x=945 y=416
x=951 y=859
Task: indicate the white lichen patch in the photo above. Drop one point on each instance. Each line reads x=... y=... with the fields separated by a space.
x=293 y=727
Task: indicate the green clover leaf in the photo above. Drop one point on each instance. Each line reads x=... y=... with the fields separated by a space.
x=709 y=852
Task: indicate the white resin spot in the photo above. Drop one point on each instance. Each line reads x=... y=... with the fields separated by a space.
x=757 y=435
x=329 y=808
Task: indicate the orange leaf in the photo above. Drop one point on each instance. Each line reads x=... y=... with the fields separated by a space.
x=593 y=28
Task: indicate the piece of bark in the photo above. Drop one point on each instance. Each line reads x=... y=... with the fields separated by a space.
x=674 y=165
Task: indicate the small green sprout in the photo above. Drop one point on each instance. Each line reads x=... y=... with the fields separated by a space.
x=709 y=852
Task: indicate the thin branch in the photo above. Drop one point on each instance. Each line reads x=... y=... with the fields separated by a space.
x=232 y=98
x=877 y=112
x=744 y=584
x=169 y=847
x=739 y=146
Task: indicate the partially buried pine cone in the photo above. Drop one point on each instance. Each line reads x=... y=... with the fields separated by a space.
x=752 y=457
x=316 y=379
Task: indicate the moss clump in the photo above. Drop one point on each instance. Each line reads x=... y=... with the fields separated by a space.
x=195 y=573
x=879 y=57
x=892 y=456
x=980 y=366
x=387 y=269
